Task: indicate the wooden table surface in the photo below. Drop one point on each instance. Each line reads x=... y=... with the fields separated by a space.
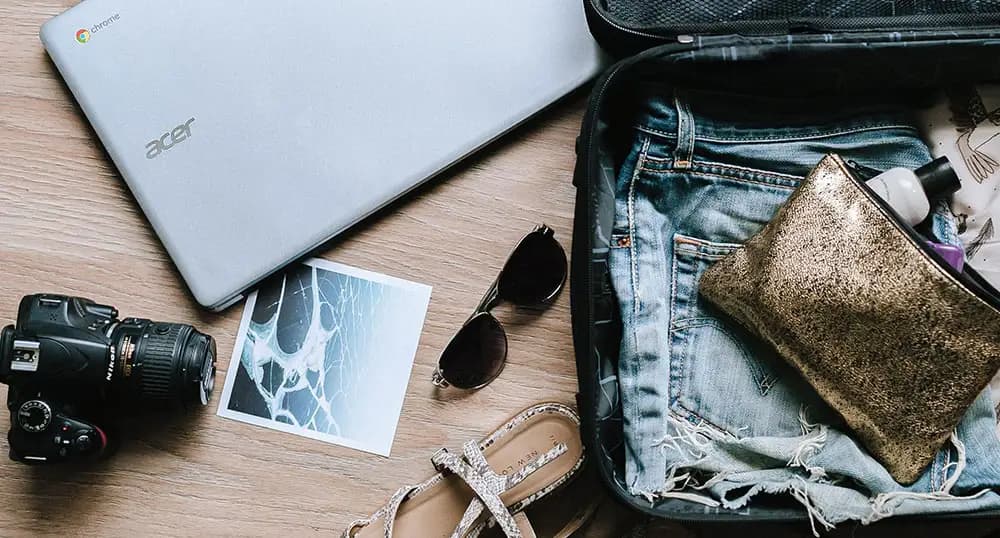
x=69 y=225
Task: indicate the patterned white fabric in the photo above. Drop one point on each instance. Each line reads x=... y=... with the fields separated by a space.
x=964 y=125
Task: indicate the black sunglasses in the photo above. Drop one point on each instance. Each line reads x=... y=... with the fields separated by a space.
x=534 y=275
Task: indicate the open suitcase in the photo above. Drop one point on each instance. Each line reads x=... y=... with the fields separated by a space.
x=783 y=47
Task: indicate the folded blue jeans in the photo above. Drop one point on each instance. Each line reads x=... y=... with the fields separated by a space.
x=711 y=414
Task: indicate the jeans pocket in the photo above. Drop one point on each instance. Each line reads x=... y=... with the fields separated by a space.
x=720 y=374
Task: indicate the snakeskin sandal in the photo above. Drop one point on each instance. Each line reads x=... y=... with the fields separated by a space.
x=490 y=483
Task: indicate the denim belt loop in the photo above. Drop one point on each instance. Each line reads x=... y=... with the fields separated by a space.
x=685 y=133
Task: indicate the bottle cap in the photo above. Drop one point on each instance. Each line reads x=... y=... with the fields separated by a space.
x=938 y=178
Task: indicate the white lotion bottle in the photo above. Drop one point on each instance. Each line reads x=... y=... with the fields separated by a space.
x=909 y=192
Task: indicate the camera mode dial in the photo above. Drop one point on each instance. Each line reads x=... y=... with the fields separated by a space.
x=34 y=416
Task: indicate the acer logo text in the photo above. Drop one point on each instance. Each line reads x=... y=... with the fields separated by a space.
x=169 y=139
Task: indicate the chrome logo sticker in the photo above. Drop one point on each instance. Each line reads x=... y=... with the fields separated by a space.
x=83 y=35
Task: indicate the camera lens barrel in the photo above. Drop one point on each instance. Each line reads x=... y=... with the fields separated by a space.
x=165 y=362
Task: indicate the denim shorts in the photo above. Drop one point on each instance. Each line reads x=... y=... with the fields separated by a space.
x=712 y=414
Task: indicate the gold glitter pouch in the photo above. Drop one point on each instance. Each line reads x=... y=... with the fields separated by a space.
x=894 y=339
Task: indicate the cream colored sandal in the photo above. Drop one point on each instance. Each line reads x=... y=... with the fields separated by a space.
x=491 y=483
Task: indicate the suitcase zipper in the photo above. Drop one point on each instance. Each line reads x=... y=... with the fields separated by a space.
x=793 y=26
x=600 y=13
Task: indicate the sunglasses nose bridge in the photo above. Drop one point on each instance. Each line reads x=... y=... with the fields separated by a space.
x=489 y=301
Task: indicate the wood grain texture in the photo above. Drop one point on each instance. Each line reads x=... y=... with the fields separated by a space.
x=69 y=225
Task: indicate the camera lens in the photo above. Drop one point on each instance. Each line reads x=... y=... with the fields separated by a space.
x=157 y=361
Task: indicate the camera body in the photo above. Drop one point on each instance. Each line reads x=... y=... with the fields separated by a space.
x=70 y=363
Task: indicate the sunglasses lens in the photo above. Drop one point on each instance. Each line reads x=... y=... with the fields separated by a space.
x=476 y=354
x=535 y=271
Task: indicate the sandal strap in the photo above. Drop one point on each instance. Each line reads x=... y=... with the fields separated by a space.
x=524 y=525
x=536 y=464
x=387 y=513
x=476 y=472
x=468 y=526
x=392 y=508
x=486 y=485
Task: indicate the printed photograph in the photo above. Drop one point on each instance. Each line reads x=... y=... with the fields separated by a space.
x=325 y=351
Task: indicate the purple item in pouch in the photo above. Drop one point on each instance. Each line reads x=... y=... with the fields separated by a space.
x=955 y=256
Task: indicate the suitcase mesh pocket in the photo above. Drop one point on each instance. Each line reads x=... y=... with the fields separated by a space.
x=684 y=13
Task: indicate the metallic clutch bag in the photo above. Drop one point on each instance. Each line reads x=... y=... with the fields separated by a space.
x=896 y=341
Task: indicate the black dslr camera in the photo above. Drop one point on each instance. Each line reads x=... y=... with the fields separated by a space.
x=69 y=360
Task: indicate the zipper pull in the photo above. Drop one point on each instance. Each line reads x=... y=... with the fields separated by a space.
x=864 y=173
x=801 y=26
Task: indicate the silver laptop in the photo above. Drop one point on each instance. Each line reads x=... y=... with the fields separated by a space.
x=253 y=131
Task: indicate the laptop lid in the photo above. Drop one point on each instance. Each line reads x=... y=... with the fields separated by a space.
x=252 y=132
